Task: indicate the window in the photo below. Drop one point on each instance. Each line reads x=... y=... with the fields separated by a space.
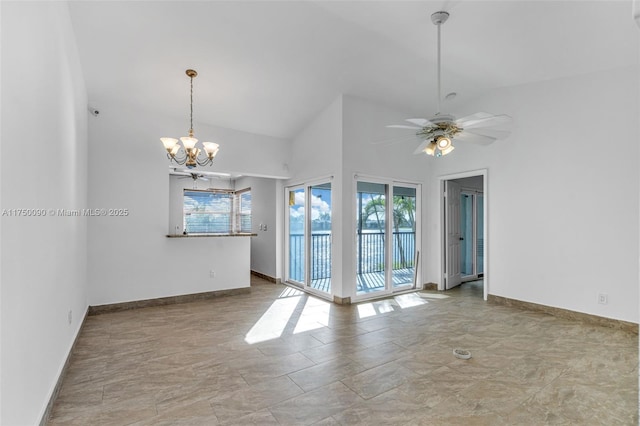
x=243 y=218
x=214 y=211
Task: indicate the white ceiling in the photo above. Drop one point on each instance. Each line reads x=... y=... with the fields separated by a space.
x=269 y=67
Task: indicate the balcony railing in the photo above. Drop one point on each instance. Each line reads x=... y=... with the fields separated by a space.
x=370 y=252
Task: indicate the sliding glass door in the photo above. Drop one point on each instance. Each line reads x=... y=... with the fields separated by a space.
x=386 y=229
x=371 y=249
x=320 y=238
x=404 y=236
x=309 y=236
x=297 y=240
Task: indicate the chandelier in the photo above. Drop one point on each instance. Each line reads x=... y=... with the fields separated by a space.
x=188 y=154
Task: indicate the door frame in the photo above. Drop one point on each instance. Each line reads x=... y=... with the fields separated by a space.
x=388 y=290
x=441 y=206
x=306 y=285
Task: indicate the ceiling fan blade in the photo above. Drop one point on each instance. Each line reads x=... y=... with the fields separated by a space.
x=421 y=147
x=473 y=138
x=492 y=133
x=394 y=141
x=402 y=126
x=476 y=116
x=419 y=121
x=482 y=119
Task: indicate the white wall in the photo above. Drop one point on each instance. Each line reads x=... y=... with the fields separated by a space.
x=344 y=140
x=264 y=194
x=562 y=194
x=371 y=149
x=317 y=154
x=44 y=109
x=316 y=150
x=130 y=258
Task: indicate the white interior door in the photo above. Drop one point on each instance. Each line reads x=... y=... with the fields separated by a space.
x=452 y=274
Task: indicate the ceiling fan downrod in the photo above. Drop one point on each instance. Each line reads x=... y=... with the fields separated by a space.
x=438 y=19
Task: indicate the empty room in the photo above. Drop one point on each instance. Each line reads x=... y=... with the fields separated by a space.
x=319 y=212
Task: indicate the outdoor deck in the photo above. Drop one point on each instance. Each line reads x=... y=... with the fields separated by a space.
x=369 y=282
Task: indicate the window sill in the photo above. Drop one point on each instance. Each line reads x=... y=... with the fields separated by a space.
x=235 y=234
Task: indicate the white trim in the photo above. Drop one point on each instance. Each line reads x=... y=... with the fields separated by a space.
x=310 y=182
x=485 y=191
x=383 y=179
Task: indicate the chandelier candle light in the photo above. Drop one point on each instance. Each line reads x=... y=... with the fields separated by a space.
x=191 y=154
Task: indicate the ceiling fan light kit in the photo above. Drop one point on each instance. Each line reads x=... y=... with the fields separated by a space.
x=439 y=131
x=190 y=156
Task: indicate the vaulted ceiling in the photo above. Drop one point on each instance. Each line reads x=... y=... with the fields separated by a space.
x=269 y=67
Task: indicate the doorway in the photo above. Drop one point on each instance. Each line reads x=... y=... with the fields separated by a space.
x=309 y=238
x=472 y=233
x=387 y=236
x=463 y=224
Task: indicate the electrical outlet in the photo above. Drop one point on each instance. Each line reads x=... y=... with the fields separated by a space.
x=603 y=298
x=264 y=228
x=212 y=274
x=70 y=316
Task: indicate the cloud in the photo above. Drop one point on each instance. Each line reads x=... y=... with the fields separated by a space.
x=318 y=206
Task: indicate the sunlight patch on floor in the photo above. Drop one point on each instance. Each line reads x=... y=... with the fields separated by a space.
x=401 y=301
x=409 y=300
x=433 y=296
x=315 y=314
x=273 y=322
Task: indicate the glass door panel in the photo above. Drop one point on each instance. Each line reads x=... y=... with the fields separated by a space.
x=320 y=245
x=296 y=235
x=404 y=236
x=371 y=230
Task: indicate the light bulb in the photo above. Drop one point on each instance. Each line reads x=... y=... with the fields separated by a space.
x=188 y=142
x=443 y=142
x=430 y=149
x=169 y=143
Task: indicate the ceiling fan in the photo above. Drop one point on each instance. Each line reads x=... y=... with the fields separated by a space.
x=195 y=176
x=437 y=132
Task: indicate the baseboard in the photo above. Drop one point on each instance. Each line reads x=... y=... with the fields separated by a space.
x=266 y=277
x=63 y=372
x=566 y=313
x=162 y=301
x=341 y=300
x=430 y=286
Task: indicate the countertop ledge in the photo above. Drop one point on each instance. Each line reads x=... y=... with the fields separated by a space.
x=237 y=234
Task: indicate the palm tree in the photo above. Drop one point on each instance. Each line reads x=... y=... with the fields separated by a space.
x=374 y=207
x=403 y=214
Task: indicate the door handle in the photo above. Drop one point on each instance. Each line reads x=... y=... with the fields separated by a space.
x=461 y=239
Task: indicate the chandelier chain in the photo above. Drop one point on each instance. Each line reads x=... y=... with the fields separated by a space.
x=191 y=122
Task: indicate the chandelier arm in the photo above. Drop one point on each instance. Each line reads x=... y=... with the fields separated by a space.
x=178 y=159
x=204 y=161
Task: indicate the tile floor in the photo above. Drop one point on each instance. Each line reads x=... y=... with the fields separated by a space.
x=277 y=356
